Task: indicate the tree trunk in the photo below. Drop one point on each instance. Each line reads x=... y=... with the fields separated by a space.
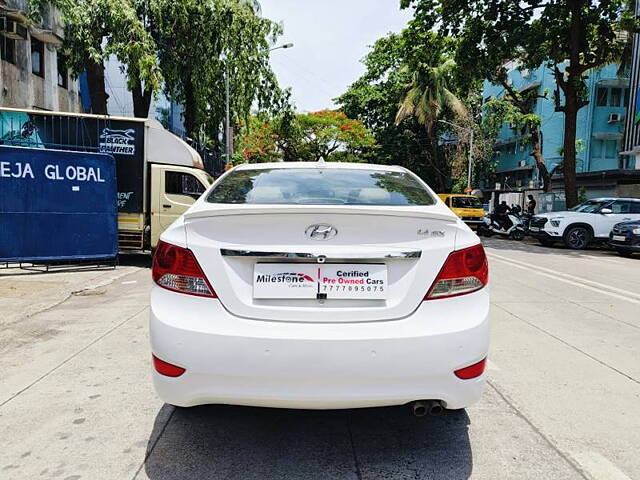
x=97 y=90
x=141 y=100
x=569 y=147
x=538 y=157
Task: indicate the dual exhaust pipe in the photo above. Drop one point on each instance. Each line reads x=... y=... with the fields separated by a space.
x=420 y=408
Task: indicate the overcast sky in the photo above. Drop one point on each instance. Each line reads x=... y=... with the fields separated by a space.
x=330 y=37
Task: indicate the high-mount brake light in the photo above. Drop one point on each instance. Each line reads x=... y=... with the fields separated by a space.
x=465 y=271
x=176 y=268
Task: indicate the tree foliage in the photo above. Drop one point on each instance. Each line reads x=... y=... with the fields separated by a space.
x=327 y=134
x=400 y=63
x=571 y=37
x=201 y=41
x=97 y=29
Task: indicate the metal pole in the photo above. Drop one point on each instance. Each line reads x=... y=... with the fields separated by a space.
x=227 y=128
x=470 y=161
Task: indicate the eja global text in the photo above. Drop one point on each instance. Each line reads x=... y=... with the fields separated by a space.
x=78 y=173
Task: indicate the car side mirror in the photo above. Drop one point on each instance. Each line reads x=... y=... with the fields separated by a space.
x=605 y=211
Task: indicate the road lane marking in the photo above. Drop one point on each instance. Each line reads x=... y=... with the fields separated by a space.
x=598 y=467
x=571 y=279
x=129 y=282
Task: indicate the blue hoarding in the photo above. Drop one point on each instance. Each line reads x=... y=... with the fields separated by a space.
x=57 y=205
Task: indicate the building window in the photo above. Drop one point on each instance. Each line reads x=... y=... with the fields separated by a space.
x=63 y=72
x=602 y=97
x=37 y=57
x=8 y=49
x=625 y=99
x=616 y=97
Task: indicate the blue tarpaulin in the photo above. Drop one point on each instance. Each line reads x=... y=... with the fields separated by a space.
x=57 y=205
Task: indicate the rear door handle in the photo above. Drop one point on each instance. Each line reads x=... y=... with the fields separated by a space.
x=166 y=206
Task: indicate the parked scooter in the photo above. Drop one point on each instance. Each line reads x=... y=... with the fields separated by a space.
x=509 y=225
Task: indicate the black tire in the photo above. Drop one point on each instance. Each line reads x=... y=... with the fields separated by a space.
x=517 y=235
x=577 y=238
x=624 y=253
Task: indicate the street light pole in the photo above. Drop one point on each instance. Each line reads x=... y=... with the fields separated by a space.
x=470 y=130
x=470 y=173
x=227 y=126
x=227 y=122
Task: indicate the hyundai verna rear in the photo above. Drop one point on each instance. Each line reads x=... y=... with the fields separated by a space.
x=319 y=285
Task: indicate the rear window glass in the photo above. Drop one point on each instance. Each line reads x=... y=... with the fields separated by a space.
x=320 y=186
x=465 y=202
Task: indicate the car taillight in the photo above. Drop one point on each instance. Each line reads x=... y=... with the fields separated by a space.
x=176 y=268
x=465 y=271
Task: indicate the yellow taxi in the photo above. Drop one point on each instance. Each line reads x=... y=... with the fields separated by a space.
x=467 y=207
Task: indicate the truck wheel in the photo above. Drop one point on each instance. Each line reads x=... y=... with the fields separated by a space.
x=577 y=238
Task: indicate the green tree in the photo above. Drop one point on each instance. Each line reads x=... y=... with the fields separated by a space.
x=201 y=41
x=96 y=29
x=393 y=64
x=428 y=95
x=571 y=37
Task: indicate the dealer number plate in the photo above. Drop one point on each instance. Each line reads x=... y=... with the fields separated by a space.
x=331 y=281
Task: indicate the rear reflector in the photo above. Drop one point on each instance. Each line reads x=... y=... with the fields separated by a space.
x=167 y=369
x=472 y=371
x=176 y=268
x=465 y=271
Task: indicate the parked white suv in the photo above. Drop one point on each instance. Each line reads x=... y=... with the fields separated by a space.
x=588 y=222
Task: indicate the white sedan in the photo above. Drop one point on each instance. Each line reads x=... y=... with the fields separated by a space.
x=320 y=285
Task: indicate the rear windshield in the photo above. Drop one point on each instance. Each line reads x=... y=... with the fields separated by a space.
x=316 y=186
x=465 y=202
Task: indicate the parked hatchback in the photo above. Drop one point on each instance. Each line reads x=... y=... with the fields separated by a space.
x=625 y=238
x=320 y=285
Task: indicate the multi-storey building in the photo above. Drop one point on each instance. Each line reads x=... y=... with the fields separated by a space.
x=33 y=73
x=601 y=169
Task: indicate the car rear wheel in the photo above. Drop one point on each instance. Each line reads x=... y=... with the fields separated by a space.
x=577 y=238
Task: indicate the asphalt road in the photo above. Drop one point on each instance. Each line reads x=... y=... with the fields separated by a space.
x=562 y=401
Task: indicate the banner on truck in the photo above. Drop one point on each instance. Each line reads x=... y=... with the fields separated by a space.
x=123 y=139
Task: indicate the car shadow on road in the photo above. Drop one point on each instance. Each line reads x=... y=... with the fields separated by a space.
x=532 y=246
x=221 y=441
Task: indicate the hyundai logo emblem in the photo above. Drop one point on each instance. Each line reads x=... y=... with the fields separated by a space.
x=321 y=231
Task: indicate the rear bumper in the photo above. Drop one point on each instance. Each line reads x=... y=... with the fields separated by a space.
x=234 y=360
x=631 y=245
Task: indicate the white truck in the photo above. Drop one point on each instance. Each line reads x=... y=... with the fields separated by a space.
x=589 y=222
x=159 y=176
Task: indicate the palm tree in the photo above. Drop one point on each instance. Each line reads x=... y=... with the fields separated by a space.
x=426 y=98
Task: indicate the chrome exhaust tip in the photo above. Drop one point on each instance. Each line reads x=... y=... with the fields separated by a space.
x=420 y=408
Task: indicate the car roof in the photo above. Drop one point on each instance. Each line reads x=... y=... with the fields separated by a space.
x=609 y=199
x=329 y=165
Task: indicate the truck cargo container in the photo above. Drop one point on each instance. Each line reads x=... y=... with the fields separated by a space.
x=159 y=175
